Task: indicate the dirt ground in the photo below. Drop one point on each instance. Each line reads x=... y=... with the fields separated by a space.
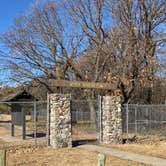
x=4 y=131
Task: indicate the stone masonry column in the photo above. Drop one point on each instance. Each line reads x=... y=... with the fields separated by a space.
x=60 y=120
x=111 y=120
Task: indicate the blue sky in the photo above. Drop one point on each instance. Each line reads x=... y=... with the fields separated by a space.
x=10 y=9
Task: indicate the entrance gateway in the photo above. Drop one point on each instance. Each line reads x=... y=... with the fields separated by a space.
x=60 y=118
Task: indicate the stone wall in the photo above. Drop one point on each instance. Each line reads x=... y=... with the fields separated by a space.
x=60 y=120
x=111 y=120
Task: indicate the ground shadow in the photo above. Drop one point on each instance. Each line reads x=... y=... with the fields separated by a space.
x=5 y=121
x=84 y=141
x=38 y=135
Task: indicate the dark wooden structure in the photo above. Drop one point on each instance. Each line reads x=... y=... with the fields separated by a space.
x=18 y=102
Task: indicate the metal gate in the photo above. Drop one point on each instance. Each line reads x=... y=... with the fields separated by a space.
x=86 y=120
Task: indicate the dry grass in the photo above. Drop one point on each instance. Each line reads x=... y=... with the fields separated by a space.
x=60 y=157
x=156 y=149
x=23 y=153
x=148 y=145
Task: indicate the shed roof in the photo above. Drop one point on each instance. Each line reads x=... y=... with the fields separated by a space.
x=18 y=95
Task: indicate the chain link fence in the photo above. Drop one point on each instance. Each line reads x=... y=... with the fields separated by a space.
x=144 y=119
x=29 y=121
x=85 y=119
x=23 y=120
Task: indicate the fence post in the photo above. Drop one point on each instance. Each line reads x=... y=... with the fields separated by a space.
x=48 y=122
x=23 y=123
x=100 y=119
x=101 y=160
x=77 y=115
x=82 y=116
x=35 y=127
x=127 y=119
x=135 y=120
x=2 y=158
x=150 y=119
x=12 y=129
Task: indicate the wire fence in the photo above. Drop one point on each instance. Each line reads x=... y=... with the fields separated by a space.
x=144 y=119
x=24 y=120
x=31 y=120
x=85 y=119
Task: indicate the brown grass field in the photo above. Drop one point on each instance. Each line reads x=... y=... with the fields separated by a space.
x=24 y=153
x=152 y=146
x=61 y=157
x=156 y=149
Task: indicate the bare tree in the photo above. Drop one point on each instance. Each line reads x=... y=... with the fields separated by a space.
x=141 y=21
x=38 y=44
x=89 y=40
x=124 y=51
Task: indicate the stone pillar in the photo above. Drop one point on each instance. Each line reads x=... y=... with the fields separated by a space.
x=60 y=120
x=111 y=120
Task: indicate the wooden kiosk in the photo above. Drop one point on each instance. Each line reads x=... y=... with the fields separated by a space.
x=18 y=102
